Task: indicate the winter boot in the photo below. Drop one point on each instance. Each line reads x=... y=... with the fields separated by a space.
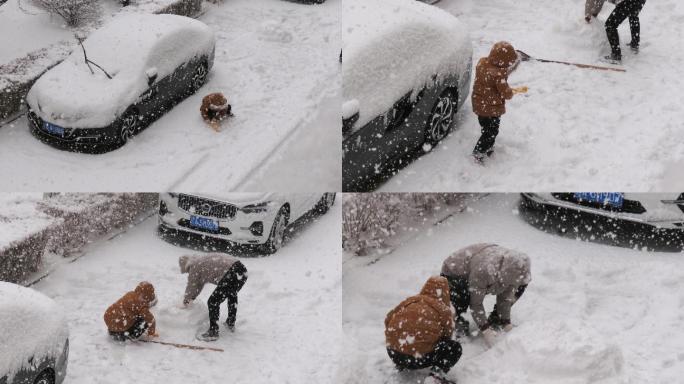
x=211 y=335
x=478 y=158
x=634 y=47
x=231 y=327
x=613 y=59
x=436 y=378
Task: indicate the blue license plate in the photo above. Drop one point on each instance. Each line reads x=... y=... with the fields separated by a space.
x=613 y=199
x=53 y=129
x=204 y=223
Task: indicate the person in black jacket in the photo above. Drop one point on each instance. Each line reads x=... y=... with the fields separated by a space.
x=623 y=10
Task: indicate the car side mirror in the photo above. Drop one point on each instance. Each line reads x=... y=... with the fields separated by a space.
x=151 y=76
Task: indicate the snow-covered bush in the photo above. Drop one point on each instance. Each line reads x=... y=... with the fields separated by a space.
x=74 y=12
x=89 y=216
x=370 y=219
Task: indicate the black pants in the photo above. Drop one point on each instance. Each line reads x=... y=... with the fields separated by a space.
x=446 y=355
x=627 y=9
x=133 y=333
x=490 y=129
x=227 y=289
x=460 y=296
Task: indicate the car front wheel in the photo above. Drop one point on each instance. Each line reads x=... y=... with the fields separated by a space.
x=130 y=124
x=199 y=77
x=277 y=235
x=441 y=117
x=46 y=377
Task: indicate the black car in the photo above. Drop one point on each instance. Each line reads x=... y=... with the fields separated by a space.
x=122 y=78
x=636 y=220
x=391 y=111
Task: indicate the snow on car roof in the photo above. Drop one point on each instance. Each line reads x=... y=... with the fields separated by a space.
x=392 y=47
x=127 y=47
x=31 y=324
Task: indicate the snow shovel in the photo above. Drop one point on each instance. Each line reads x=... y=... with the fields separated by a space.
x=525 y=57
x=185 y=346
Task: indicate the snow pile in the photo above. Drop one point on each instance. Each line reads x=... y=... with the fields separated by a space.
x=19 y=217
x=392 y=47
x=31 y=324
x=70 y=95
x=574 y=352
x=592 y=313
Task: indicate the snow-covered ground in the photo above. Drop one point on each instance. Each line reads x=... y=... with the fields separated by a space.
x=576 y=128
x=592 y=313
x=25 y=28
x=288 y=328
x=276 y=61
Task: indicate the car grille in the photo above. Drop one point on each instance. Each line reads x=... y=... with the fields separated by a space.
x=206 y=207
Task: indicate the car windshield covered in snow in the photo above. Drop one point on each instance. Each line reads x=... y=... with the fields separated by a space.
x=135 y=50
x=392 y=47
x=32 y=329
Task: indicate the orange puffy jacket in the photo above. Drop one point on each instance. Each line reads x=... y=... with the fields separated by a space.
x=490 y=89
x=416 y=325
x=121 y=316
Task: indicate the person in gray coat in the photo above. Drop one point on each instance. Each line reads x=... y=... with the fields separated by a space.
x=486 y=269
x=229 y=275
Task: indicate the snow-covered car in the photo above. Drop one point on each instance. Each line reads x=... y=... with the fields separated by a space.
x=34 y=338
x=406 y=71
x=258 y=219
x=125 y=76
x=651 y=220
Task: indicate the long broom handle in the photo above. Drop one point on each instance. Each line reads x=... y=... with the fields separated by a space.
x=186 y=346
x=524 y=56
x=582 y=65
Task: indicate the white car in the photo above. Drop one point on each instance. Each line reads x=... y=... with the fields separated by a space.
x=243 y=218
x=34 y=337
x=406 y=67
x=138 y=66
x=653 y=220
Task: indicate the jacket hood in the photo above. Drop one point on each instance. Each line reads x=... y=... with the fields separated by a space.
x=502 y=55
x=437 y=287
x=515 y=269
x=183 y=263
x=146 y=292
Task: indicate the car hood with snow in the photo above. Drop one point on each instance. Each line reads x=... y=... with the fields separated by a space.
x=31 y=325
x=129 y=48
x=392 y=47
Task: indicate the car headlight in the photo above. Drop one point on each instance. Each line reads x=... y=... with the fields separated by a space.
x=256 y=208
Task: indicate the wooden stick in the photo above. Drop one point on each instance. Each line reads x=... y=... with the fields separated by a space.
x=186 y=346
x=525 y=57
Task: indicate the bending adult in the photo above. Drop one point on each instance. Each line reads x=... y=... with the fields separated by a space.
x=486 y=269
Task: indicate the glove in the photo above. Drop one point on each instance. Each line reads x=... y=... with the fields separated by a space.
x=522 y=89
x=508 y=327
x=489 y=336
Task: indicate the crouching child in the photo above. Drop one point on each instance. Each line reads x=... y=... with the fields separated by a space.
x=214 y=109
x=129 y=317
x=229 y=275
x=418 y=332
